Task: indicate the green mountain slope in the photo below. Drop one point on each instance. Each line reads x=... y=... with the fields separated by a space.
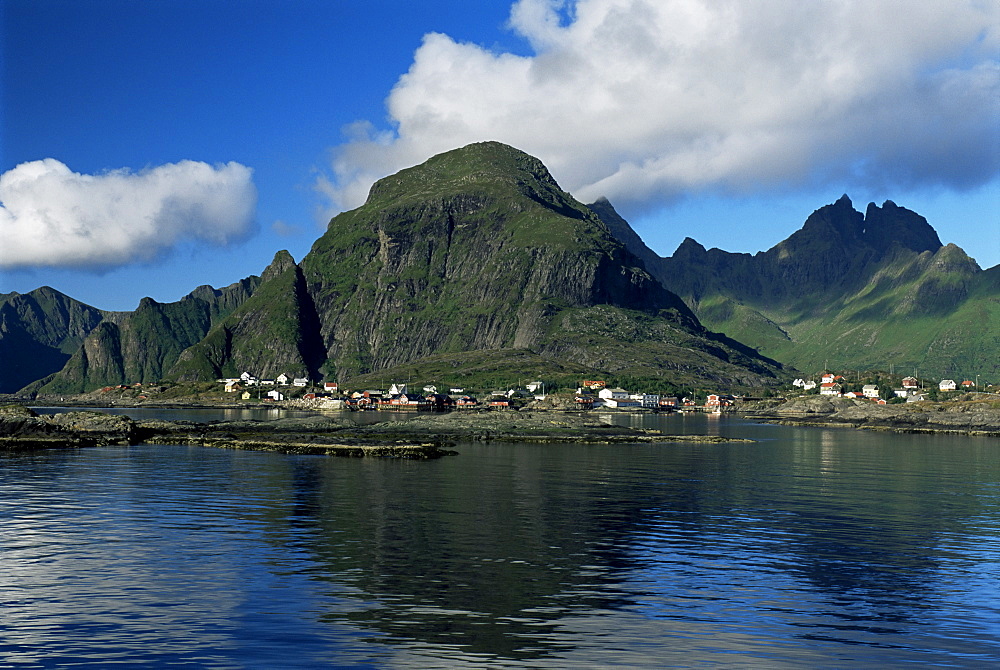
x=275 y=331
x=477 y=250
x=143 y=345
x=39 y=331
x=849 y=291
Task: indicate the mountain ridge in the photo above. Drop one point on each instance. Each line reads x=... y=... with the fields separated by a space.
x=477 y=249
x=838 y=290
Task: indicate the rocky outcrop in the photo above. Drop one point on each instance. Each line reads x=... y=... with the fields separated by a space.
x=981 y=417
x=21 y=429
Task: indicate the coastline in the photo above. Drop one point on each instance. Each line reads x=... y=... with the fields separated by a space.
x=977 y=418
x=334 y=434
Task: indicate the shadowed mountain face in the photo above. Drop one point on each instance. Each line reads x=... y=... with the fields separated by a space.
x=38 y=333
x=477 y=249
x=142 y=345
x=848 y=290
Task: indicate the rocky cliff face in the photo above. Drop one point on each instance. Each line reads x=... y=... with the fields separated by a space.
x=481 y=263
x=479 y=249
x=275 y=331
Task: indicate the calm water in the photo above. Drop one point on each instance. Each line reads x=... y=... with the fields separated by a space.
x=808 y=548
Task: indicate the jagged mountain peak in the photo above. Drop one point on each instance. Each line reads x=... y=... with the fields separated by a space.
x=892 y=224
x=282 y=261
x=690 y=248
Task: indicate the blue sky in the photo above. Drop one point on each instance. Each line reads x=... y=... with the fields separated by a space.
x=147 y=148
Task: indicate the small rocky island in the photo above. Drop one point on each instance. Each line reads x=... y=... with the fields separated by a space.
x=424 y=436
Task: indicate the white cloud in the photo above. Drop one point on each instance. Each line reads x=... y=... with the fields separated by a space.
x=51 y=216
x=643 y=100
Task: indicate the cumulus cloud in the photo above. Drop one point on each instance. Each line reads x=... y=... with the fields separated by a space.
x=51 y=216
x=644 y=100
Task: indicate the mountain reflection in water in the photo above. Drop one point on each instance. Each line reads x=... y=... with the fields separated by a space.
x=809 y=547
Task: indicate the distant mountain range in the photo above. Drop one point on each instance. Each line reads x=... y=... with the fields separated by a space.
x=476 y=265
x=472 y=264
x=847 y=291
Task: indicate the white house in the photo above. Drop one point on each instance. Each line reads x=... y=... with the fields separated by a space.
x=613 y=394
x=275 y=394
x=828 y=378
x=808 y=386
x=282 y=379
x=870 y=390
x=621 y=403
x=646 y=399
x=396 y=389
x=829 y=388
x=300 y=381
x=947 y=385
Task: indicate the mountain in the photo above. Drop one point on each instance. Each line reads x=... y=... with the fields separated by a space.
x=476 y=255
x=144 y=344
x=39 y=331
x=846 y=291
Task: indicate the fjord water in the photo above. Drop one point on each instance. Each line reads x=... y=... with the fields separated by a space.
x=809 y=547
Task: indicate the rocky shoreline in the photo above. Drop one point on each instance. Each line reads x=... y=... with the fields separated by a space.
x=972 y=417
x=424 y=436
